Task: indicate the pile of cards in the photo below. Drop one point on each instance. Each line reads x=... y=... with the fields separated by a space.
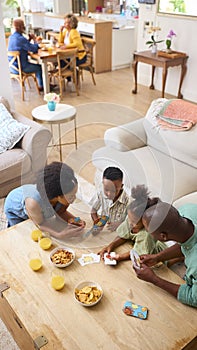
x=109 y=258
x=90 y=258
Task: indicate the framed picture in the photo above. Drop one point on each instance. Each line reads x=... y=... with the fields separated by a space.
x=178 y=7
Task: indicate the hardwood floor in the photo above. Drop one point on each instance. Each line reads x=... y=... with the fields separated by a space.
x=99 y=107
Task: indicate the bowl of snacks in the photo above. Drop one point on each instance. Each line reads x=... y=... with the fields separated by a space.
x=88 y=293
x=62 y=256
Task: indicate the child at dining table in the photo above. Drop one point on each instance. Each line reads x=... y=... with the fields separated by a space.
x=111 y=200
x=133 y=229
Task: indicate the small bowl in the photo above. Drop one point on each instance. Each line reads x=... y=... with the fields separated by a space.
x=89 y=292
x=60 y=262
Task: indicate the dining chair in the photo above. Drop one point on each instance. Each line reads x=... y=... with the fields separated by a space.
x=20 y=75
x=69 y=70
x=88 y=44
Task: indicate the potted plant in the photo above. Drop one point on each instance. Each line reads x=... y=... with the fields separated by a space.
x=153 y=42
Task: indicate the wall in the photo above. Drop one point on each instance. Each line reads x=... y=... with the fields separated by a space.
x=5 y=86
x=185 y=28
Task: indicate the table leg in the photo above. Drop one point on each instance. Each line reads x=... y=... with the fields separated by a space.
x=75 y=126
x=45 y=77
x=134 y=66
x=183 y=72
x=164 y=76
x=60 y=144
x=152 y=78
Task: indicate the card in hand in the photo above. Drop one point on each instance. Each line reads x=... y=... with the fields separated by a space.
x=135 y=258
x=109 y=258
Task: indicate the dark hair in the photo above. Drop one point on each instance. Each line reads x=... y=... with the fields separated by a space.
x=73 y=20
x=55 y=180
x=113 y=173
x=141 y=202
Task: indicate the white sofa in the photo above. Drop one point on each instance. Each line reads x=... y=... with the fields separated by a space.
x=164 y=160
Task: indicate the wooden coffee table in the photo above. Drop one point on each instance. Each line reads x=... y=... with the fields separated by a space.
x=37 y=315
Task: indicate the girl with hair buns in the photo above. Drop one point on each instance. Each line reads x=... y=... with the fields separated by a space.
x=133 y=229
x=46 y=202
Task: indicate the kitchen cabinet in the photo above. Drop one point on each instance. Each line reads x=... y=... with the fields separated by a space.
x=87 y=5
x=101 y=32
x=123 y=47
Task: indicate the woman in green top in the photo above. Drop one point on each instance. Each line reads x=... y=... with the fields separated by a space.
x=133 y=229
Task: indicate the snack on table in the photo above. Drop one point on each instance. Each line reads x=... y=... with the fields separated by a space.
x=62 y=257
x=88 y=294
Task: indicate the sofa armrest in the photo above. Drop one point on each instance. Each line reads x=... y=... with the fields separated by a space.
x=127 y=136
x=35 y=141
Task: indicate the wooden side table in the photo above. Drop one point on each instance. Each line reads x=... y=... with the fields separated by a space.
x=158 y=61
x=63 y=114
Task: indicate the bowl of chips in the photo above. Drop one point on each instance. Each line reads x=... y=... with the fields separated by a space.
x=62 y=256
x=88 y=293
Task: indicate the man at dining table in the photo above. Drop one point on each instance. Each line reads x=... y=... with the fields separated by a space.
x=18 y=42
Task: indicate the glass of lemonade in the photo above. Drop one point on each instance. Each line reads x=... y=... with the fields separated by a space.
x=57 y=279
x=35 y=261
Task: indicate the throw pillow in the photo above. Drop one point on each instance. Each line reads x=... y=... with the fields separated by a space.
x=11 y=131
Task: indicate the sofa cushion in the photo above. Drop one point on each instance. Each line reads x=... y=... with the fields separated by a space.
x=14 y=164
x=179 y=145
x=11 y=131
x=146 y=165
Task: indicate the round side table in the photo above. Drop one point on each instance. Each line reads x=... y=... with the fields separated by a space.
x=63 y=114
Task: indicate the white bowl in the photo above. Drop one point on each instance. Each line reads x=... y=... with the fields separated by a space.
x=61 y=249
x=81 y=285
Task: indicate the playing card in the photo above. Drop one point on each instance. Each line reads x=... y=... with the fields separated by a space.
x=108 y=258
x=90 y=258
x=135 y=258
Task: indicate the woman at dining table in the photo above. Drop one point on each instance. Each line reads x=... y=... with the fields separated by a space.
x=70 y=38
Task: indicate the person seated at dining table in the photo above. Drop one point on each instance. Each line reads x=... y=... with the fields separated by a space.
x=70 y=38
x=18 y=42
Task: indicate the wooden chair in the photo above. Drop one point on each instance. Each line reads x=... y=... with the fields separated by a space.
x=20 y=75
x=88 y=65
x=59 y=73
x=51 y=34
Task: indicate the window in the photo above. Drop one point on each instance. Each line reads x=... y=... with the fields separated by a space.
x=178 y=7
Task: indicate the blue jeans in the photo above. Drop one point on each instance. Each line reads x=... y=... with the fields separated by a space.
x=34 y=68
